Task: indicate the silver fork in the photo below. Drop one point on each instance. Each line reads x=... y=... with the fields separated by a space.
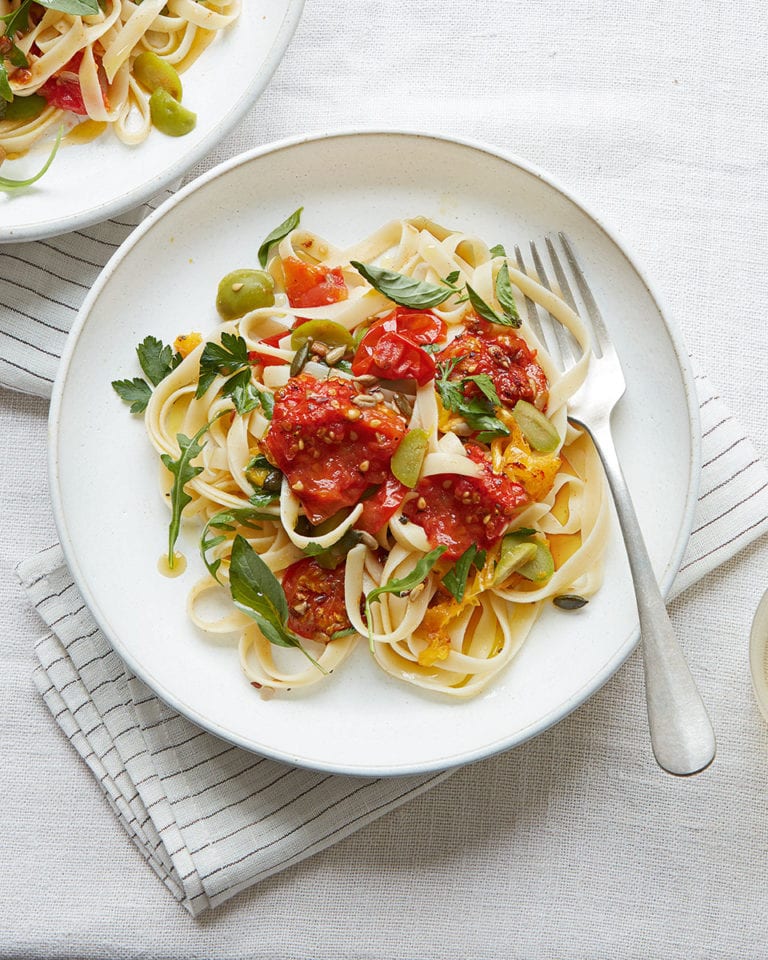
x=682 y=737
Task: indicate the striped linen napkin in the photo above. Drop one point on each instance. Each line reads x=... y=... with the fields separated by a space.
x=209 y=818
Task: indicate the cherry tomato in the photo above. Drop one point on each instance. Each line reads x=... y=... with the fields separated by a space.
x=315 y=600
x=266 y=360
x=506 y=359
x=420 y=326
x=392 y=356
x=312 y=286
x=457 y=511
x=330 y=450
x=63 y=89
x=378 y=508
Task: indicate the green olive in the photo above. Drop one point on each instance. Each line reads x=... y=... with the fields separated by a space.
x=168 y=115
x=329 y=332
x=242 y=291
x=23 y=108
x=154 y=73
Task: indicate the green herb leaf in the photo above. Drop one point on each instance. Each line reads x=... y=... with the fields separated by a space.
x=157 y=360
x=228 y=520
x=136 y=392
x=225 y=358
x=478 y=412
x=16 y=57
x=289 y=224
x=485 y=384
x=452 y=277
x=245 y=395
x=482 y=309
x=5 y=88
x=183 y=472
x=263 y=498
x=506 y=297
x=82 y=8
x=331 y=557
x=18 y=20
x=455 y=581
x=401 y=289
x=402 y=585
x=258 y=593
x=498 y=251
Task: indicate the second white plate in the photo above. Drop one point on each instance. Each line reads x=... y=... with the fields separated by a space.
x=104 y=474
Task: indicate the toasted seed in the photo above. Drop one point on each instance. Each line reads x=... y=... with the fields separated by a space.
x=352 y=414
x=570 y=601
x=297 y=487
x=237 y=287
x=417 y=590
x=319 y=349
x=371 y=542
x=300 y=358
x=333 y=356
x=301 y=608
x=365 y=466
x=364 y=400
x=403 y=405
x=374 y=423
x=421 y=504
x=366 y=378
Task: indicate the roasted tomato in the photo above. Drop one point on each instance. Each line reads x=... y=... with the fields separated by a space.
x=315 y=600
x=457 y=511
x=391 y=348
x=378 y=508
x=506 y=359
x=331 y=450
x=63 y=89
x=312 y=286
x=266 y=360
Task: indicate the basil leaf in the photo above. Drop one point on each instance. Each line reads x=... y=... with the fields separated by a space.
x=452 y=277
x=258 y=593
x=400 y=289
x=224 y=358
x=183 y=472
x=18 y=20
x=506 y=297
x=290 y=223
x=402 y=585
x=263 y=498
x=455 y=581
x=482 y=309
x=83 y=8
x=5 y=88
x=156 y=359
x=497 y=251
x=17 y=58
x=136 y=392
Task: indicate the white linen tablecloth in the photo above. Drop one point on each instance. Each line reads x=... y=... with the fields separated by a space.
x=574 y=845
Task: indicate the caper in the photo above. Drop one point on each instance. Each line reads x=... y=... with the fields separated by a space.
x=154 y=73
x=242 y=291
x=23 y=108
x=168 y=115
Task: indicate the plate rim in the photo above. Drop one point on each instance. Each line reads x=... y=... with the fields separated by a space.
x=599 y=679
x=155 y=185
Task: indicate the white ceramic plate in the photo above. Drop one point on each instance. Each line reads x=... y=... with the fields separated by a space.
x=88 y=183
x=105 y=475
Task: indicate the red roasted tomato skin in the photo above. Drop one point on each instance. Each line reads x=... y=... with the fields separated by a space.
x=391 y=349
x=378 y=508
x=315 y=598
x=506 y=359
x=312 y=286
x=330 y=449
x=458 y=511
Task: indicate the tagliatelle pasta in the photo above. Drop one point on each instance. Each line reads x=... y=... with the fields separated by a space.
x=376 y=448
x=56 y=65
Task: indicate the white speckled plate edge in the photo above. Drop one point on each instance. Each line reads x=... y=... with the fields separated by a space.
x=365 y=754
x=118 y=177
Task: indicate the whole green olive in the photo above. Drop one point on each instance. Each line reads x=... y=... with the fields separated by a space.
x=154 y=73
x=168 y=115
x=242 y=291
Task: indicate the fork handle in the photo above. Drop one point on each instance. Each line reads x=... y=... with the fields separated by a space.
x=682 y=737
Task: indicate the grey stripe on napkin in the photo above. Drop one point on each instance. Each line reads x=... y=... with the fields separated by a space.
x=212 y=819
x=42 y=285
x=209 y=818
